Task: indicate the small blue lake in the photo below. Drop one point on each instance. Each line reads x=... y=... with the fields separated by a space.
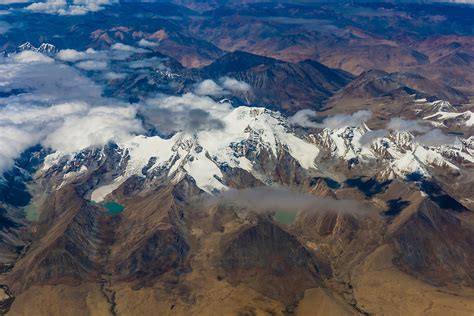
x=113 y=208
x=284 y=217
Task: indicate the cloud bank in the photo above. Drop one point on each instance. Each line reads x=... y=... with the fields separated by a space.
x=234 y=84
x=401 y=125
x=35 y=110
x=209 y=87
x=65 y=7
x=189 y=112
x=436 y=138
x=225 y=86
x=271 y=199
x=309 y=118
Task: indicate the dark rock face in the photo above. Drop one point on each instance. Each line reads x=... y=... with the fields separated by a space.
x=6 y=223
x=162 y=252
x=6 y=299
x=368 y=186
x=435 y=245
x=13 y=238
x=395 y=206
x=287 y=170
x=238 y=178
x=341 y=234
x=270 y=260
x=376 y=83
x=13 y=189
x=66 y=243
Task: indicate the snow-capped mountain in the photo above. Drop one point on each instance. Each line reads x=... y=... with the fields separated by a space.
x=441 y=113
x=252 y=139
x=259 y=142
x=396 y=154
x=45 y=48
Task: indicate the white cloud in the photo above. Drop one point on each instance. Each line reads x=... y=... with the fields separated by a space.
x=117 y=51
x=187 y=112
x=38 y=111
x=343 y=120
x=128 y=48
x=308 y=118
x=153 y=62
x=97 y=60
x=92 y=65
x=29 y=57
x=303 y=118
x=436 y=137
x=43 y=83
x=398 y=124
x=148 y=44
x=457 y=1
x=234 y=84
x=369 y=137
x=50 y=6
x=114 y=76
x=94 y=128
x=38 y=115
x=67 y=127
x=74 y=7
x=71 y=55
x=13 y=141
x=209 y=87
x=13 y=1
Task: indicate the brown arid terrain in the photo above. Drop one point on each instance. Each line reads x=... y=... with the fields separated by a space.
x=169 y=256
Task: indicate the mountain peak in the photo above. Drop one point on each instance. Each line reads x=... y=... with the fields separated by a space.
x=45 y=48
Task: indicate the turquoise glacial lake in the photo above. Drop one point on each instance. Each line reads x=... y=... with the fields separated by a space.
x=283 y=217
x=113 y=208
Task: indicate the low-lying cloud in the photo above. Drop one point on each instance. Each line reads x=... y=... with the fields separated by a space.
x=71 y=55
x=428 y=137
x=209 y=87
x=188 y=112
x=148 y=44
x=67 y=128
x=13 y=1
x=52 y=104
x=370 y=136
x=234 y=84
x=436 y=137
x=115 y=63
x=401 y=125
x=31 y=57
x=67 y=7
x=92 y=65
x=42 y=81
x=225 y=86
x=271 y=199
x=308 y=118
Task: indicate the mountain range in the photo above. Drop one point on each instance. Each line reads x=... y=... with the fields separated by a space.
x=236 y=158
